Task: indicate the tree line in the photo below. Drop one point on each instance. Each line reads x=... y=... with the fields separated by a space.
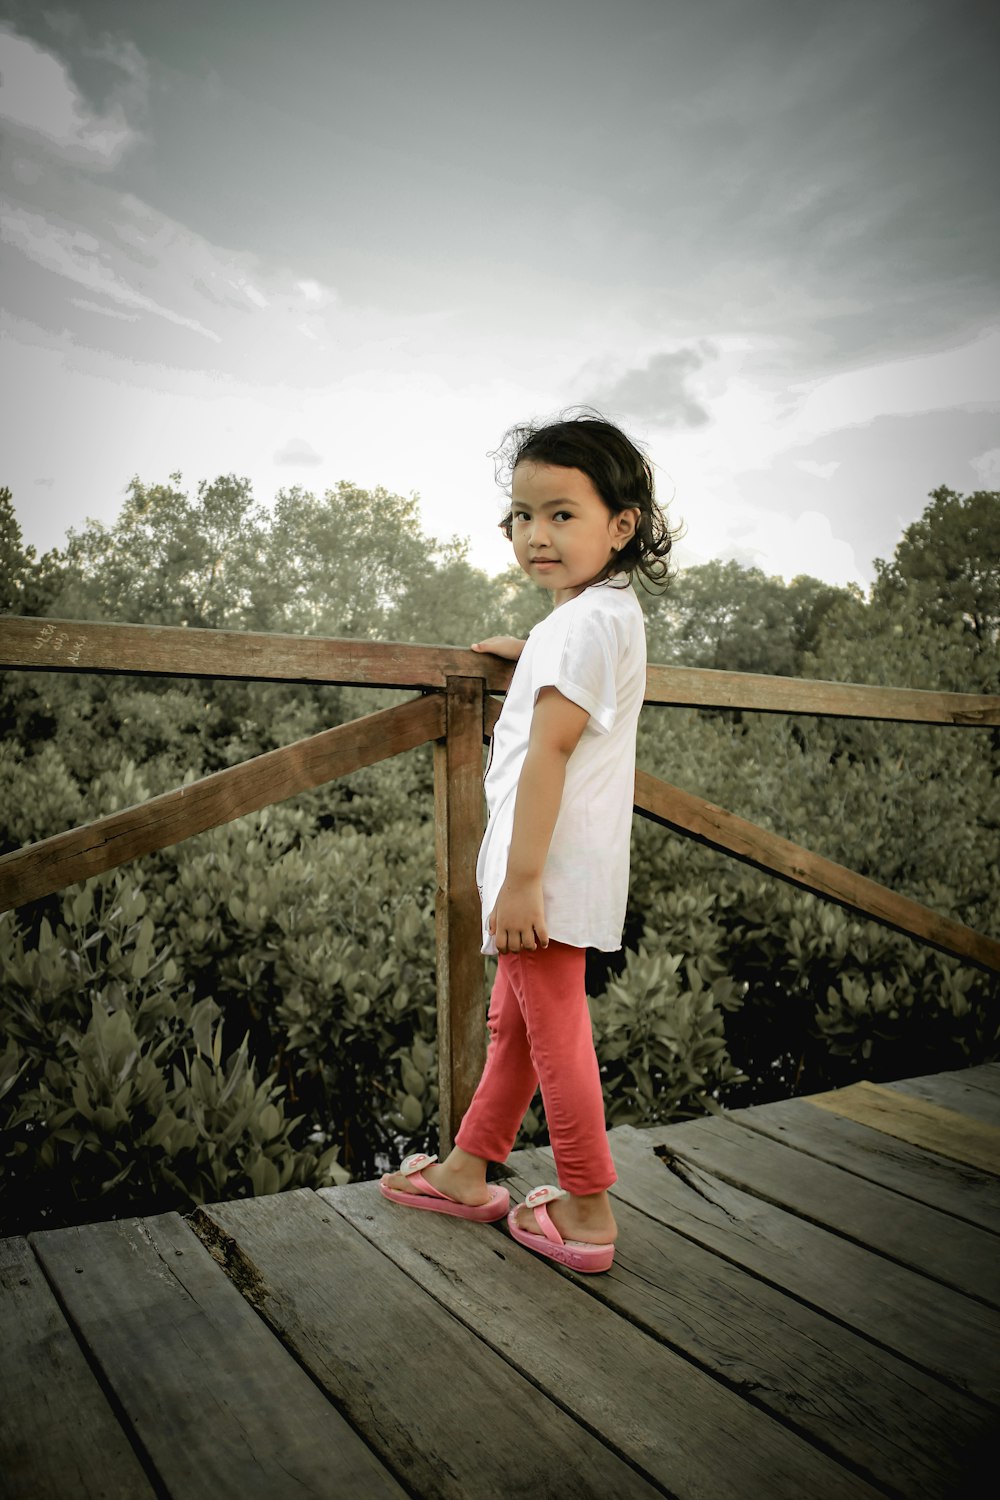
x=254 y=1009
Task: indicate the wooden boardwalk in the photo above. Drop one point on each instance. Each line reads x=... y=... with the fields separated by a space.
x=805 y=1303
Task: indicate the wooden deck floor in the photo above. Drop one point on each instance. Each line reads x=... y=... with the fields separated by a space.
x=805 y=1303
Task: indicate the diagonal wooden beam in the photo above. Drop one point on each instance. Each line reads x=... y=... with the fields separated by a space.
x=710 y=825
x=39 y=869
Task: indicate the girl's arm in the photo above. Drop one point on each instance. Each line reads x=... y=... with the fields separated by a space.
x=501 y=645
x=518 y=919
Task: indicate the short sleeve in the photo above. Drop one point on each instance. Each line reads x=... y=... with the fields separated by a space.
x=582 y=662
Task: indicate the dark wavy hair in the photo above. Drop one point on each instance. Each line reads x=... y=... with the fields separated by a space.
x=619 y=472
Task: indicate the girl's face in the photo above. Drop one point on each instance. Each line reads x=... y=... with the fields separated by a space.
x=563 y=533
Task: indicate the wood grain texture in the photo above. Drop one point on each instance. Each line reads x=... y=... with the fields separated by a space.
x=218 y=1405
x=945 y=1249
x=977 y=1098
x=58 y=1434
x=53 y=863
x=177 y=651
x=918 y=1121
x=708 y=688
x=717 y=829
x=734 y=1349
x=950 y=1186
x=695 y=1437
x=986 y=1076
x=458 y=823
x=862 y=1404
x=935 y=1328
x=435 y=1403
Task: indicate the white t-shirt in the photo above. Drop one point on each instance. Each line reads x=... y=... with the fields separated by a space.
x=593 y=649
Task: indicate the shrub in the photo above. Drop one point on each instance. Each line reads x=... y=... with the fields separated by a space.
x=321 y=947
x=116 y=1093
x=661 y=1042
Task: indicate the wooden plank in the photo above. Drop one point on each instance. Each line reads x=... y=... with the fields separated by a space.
x=251 y=656
x=58 y=1434
x=950 y=1186
x=178 y=651
x=458 y=822
x=985 y=1076
x=917 y=1121
x=26 y=874
x=670 y=1420
x=435 y=1403
x=708 y=688
x=934 y=1327
x=955 y=1092
x=945 y=1249
x=717 y=829
x=865 y=1406
x=216 y=1403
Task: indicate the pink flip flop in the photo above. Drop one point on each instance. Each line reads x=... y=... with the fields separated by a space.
x=439 y=1203
x=573 y=1253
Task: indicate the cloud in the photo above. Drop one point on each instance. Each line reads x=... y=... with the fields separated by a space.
x=657 y=391
x=79 y=256
x=314 y=293
x=106 y=312
x=961 y=375
x=780 y=545
x=38 y=98
x=133 y=259
x=297 y=453
x=986 y=467
x=818 y=470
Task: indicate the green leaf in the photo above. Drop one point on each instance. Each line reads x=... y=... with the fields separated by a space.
x=412 y=1112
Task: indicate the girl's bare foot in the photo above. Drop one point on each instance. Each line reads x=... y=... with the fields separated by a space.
x=461 y=1176
x=587 y=1218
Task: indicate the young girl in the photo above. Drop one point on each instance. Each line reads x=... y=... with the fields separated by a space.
x=553 y=866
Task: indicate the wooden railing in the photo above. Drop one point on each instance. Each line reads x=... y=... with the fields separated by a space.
x=455 y=712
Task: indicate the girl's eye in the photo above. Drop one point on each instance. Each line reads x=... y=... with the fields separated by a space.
x=521 y=515
x=563 y=515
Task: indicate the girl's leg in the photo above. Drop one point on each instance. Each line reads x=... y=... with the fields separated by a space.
x=539 y=1031
x=509 y=1080
x=550 y=989
x=501 y=1100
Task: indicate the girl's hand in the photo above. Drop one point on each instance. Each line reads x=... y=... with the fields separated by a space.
x=507 y=646
x=517 y=922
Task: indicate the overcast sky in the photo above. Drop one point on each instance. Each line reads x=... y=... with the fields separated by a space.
x=356 y=239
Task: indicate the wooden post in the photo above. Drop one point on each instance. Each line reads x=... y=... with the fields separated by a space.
x=458 y=816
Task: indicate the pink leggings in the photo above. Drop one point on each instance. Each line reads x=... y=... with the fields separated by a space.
x=540 y=1034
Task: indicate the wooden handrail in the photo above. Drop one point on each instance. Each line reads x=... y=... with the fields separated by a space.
x=176 y=651
x=457 y=716
x=704 y=688
x=249 y=656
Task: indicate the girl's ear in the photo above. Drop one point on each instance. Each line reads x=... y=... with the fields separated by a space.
x=625 y=523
